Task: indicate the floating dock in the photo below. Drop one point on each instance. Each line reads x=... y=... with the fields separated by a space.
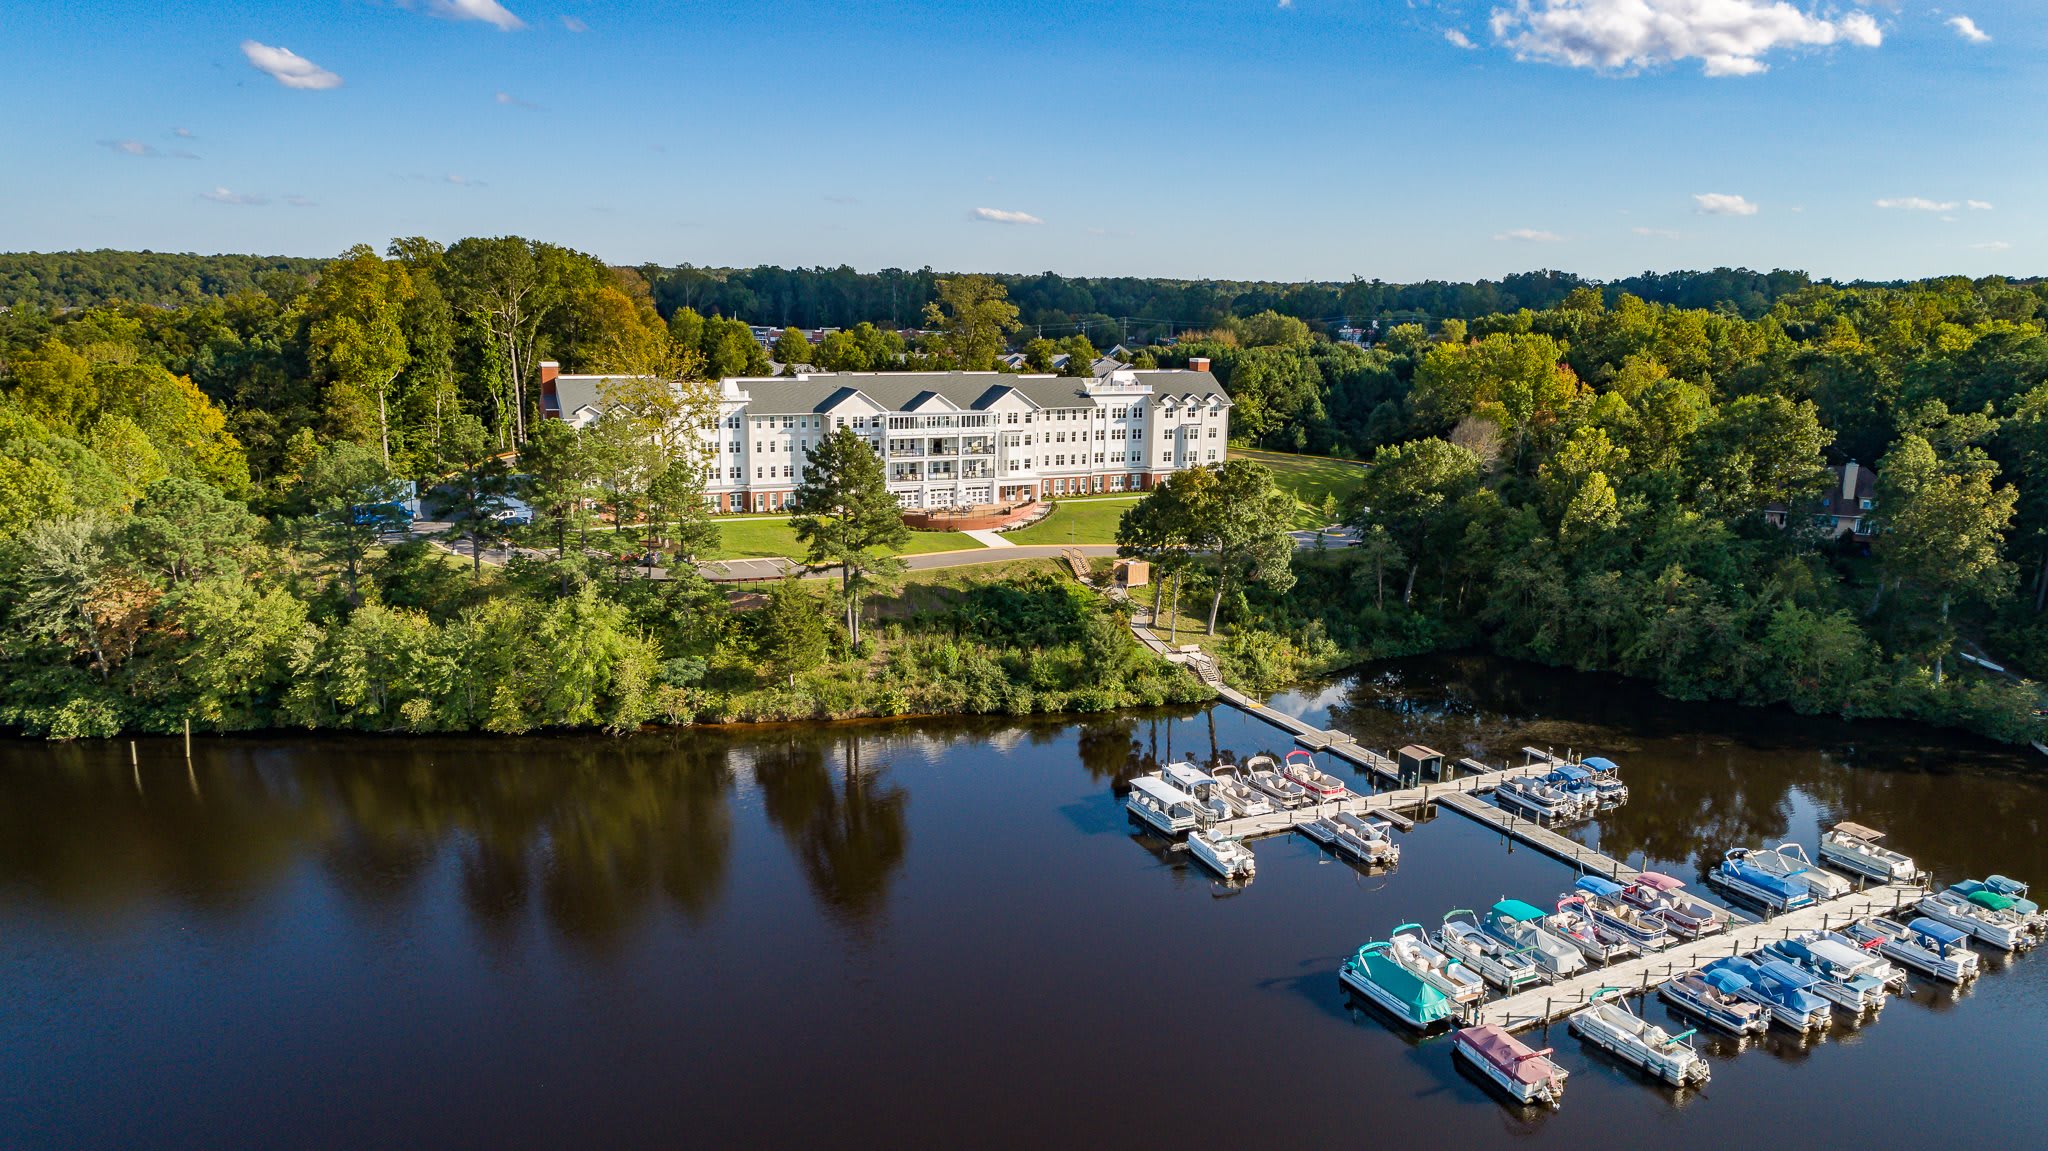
x=1547 y=1004
x=1386 y=804
x=1529 y=831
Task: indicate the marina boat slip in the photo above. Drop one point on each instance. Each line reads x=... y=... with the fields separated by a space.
x=1853 y=848
x=1536 y=800
x=1301 y=768
x=1859 y=956
x=1199 y=784
x=1688 y=916
x=1608 y=1024
x=1576 y=782
x=1505 y=966
x=1520 y=926
x=1264 y=775
x=1526 y=1074
x=1226 y=857
x=1243 y=798
x=1363 y=840
x=2011 y=889
x=1933 y=949
x=1572 y=923
x=1836 y=969
x=1741 y=876
x=1378 y=977
x=1409 y=946
x=1783 y=989
x=1618 y=920
x=1713 y=999
x=1606 y=780
x=1166 y=807
x=1790 y=861
x=1986 y=914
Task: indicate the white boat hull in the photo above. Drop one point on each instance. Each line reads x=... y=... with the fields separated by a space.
x=1679 y=1067
x=2003 y=937
x=1761 y=896
x=1519 y=1091
x=1868 y=866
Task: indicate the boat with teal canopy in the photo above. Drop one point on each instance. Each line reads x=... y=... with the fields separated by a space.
x=1374 y=974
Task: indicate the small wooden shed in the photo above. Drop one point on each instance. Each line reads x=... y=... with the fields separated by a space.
x=1416 y=759
x=1132 y=573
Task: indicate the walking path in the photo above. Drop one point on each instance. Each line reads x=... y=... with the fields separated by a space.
x=989 y=539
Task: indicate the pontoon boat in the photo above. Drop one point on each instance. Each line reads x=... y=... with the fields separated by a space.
x=1714 y=998
x=1535 y=800
x=1284 y=792
x=1607 y=1023
x=1689 y=916
x=1835 y=971
x=1374 y=974
x=1225 y=856
x=1520 y=925
x=1741 y=875
x=1933 y=949
x=1853 y=848
x=1503 y=965
x=1607 y=780
x=1409 y=946
x=1164 y=806
x=1527 y=1075
x=1619 y=920
x=1986 y=914
x=1301 y=768
x=1785 y=990
x=1574 y=924
x=1789 y=861
x=1243 y=798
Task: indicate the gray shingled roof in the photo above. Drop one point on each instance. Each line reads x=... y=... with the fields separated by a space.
x=903 y=391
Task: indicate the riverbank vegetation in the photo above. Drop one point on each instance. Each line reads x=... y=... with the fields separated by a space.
x=1647 y=489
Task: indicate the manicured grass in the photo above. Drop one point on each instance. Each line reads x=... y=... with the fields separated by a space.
x=1076 y=521
x=744 y=537
x=1309 y=479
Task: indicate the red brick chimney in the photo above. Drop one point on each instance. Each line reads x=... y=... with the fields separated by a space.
x=550 y=402
x=1198 y=363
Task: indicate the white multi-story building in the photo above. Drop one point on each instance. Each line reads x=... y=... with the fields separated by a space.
x=950 y=439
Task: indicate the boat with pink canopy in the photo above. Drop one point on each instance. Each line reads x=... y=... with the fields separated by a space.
x=1526 y=1074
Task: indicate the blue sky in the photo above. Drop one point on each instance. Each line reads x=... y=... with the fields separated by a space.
x=1398 y=139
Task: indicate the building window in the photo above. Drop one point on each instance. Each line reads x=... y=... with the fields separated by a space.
x=1212 y=455
x=1212 y=435
x=757 y=473
x=786 y=471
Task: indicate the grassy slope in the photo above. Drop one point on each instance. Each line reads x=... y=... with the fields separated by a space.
x=1309 y=479
x=745 y=537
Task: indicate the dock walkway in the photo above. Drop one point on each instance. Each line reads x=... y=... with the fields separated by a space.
x=1381 y=803
x=1558 y=1000
x=1536 y=835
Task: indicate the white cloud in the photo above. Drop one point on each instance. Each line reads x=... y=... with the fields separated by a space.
x=1002 y=216
x=288 y=67
x=464 y=181
x=129 y=147
x=1287 y=3
x=1968 y=30
x=182 y=133
x=488 y=11
x=1724 y=204
x=574 y=25
x=1727 y=37
x=239 y=199
x=1656 y=233
x=1529 y=236
x=1918 y=204
x=1977 y=205
x=1459 y=39
x=511 y=101
x=1992 y=246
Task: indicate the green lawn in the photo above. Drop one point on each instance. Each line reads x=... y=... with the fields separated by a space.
x=1309 y=479
x=1078 y=521
x=749 y=536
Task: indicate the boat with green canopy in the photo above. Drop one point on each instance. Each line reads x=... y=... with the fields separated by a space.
x=1520 y=925
x=1985 y=914
x=1377 y=976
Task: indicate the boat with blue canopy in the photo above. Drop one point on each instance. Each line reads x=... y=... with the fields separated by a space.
x=1714 y=996
x=1740 y=874
x=1616 y=918
x=1933 y=949
x=1837 y=971
x=1783 y=989
x=1606 y=780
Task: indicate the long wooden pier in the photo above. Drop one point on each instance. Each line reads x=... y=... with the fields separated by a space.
x=1385 y=803
x=1545 y=1004
x=1536 y=835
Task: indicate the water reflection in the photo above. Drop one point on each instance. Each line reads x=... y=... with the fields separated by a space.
x=847 y=827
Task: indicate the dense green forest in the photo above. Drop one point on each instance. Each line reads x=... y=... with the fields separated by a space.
x=196 y=501
x=1107 y=310
x=1639 y=488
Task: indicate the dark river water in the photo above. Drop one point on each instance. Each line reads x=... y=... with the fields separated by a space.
x=927 y=934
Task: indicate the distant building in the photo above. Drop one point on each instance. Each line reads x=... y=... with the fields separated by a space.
x=949 y=439
x=1845 y=509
